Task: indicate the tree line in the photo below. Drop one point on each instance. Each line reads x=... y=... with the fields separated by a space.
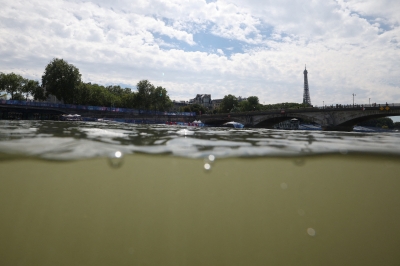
x=63 y=80
x=20 y=88
x=231 y=104
x=383 y=122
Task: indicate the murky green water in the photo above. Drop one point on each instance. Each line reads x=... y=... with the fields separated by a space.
x=268 y=198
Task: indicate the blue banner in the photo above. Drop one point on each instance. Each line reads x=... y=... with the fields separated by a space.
x=94 y=108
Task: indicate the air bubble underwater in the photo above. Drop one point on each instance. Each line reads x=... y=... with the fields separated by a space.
x=116 y=159
x=311 y=231
x=208 y=162
x=299 y=161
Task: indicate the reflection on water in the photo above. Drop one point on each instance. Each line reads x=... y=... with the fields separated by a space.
x=76 y=140
x=115 y=159
x=111 y=194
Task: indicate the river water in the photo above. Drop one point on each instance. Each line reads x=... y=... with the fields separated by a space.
x=89 y=193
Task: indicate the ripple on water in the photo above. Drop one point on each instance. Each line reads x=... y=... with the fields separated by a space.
x=68 y=141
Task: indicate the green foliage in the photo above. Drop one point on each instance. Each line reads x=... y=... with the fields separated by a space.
x=128 y=100
x=231 y=104
x=236 y=109
x=117 y=96
x=197 y=108
x=149 y=97
x=39 y=93
x=12 y=84
x=228 y=103
x=161 y=100
x=397 y=125
x=98 y=95
x=19 y=97
x=32 y=87
x=251 y=104
x=2 y=85
x=283 y=106
x=62 y=80
x=253 y=100
x=144 y=94
x=185 y=109
x=383 y=122
x=2 y=82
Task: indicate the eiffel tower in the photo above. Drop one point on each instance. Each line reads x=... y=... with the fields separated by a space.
x=306 y=93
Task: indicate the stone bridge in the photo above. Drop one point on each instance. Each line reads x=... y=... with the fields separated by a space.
x=333 y=119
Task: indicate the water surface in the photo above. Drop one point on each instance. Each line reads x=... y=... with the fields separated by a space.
x=74 y=193
x=77 y=140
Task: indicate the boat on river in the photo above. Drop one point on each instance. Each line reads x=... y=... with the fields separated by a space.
x=233 y=125
x=71 y=117
x=195 y=123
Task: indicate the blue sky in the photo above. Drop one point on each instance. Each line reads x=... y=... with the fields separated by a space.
x=217 y=47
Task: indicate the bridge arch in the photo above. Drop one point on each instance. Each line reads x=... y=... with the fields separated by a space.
x=268 y=121
x=335 y=119
x=365 y=117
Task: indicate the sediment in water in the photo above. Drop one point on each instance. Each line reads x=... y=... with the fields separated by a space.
x=164 y=210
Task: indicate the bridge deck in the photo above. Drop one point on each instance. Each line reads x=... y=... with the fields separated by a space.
x=334 y=118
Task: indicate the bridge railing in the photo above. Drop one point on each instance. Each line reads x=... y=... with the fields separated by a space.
x=93 y=108
x=314 y=108
x=357 y=105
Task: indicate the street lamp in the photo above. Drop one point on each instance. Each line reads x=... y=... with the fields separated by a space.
x=323 y=104
x=369 y=101
x=353 y=99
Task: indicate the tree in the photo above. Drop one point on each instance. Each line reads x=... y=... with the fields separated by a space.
x=251 y=104
x=116 y=90
x=39 y=93
x=253 y=101
x=12 y=84
x=19 y=97
x=144 y=93
x=228 y=103
x=149 y=97
x=30 y=87
x=97 y=95
x=62 y=80
x=196 y=108
x=378 y=122
x=244 y=106
x=160 y=99
x=83 y=94
x=128 y=100
x=2 y=81
x=121 y=97
x=283 y=105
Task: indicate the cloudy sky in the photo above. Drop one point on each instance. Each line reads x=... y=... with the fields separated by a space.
x=240 y=47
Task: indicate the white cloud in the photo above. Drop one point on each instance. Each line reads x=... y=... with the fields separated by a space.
x=386 y=11
x=348 y=46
